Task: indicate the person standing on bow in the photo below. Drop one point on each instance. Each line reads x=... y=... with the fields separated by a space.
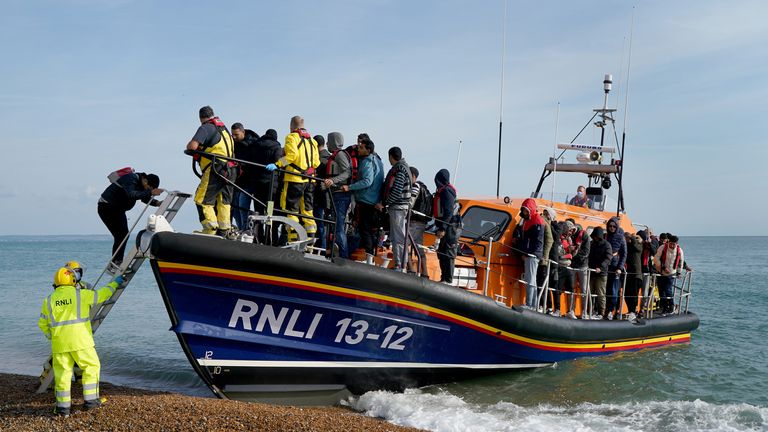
x=321 y=193
x=600 y=255
x=669 y=261
x=367 y=192
x=118 y=198
x=341 y=170
x=531 y=244
x=615 y=236
x=445 y=209
x=245 y=141
x=397 y=197
x=65 y=319
x=297 y=192
x=215 y=189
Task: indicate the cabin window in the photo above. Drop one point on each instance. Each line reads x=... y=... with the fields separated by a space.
x=481 y=221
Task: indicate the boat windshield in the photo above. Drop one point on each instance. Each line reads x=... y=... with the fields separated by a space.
x=482 y=223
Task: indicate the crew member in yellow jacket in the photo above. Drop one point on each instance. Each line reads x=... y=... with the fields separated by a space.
x=296 y=192
x=218 y=176
x=65 y=319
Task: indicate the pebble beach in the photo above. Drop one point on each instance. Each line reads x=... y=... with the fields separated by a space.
x=128 y=409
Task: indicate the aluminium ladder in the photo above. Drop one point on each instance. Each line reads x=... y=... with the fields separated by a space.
x=134 y=259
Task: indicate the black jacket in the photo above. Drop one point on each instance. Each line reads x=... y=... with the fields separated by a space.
x=266 y=150
x=582 y=253
x=600 y=255
x=126 y=192
x=243 y=150
x=445 y=200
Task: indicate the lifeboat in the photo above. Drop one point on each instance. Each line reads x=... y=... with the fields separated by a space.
x=262 y=322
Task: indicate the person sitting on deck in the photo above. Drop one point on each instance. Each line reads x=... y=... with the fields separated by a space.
x=669 y=263
x=581 y=199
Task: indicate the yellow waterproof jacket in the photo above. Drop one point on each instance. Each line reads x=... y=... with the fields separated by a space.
x=65 y=317
x=300 y=156
x=224 y=147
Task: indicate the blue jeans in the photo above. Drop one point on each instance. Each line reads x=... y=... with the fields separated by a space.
x=666 y=291
x=612 y=290
x=341 y=201
x=319 y=213
x=531 y=267
x=241 y=209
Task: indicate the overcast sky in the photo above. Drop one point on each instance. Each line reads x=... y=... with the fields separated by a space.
x=91 y=86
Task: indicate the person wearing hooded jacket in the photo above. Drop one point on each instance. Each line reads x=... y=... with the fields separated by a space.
x=531 y=244
x=634 y=274
x=266 y=150
x=580 y=244
x=444 y=210
x=600 y=255
x=615 y=236
x=338 y=174
x=118 y=198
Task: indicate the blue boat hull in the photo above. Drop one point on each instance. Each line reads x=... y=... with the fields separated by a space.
x=255 y=319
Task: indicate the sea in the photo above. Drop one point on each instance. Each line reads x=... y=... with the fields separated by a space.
x=718 y=382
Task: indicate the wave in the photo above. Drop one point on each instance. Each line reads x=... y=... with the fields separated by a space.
x=445 y=412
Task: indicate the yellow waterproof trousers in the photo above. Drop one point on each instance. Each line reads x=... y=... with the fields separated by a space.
x=298 y=198
x=215 y=189
x=63 y=363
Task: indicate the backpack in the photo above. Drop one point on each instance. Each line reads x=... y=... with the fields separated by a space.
x=423 y=203
x=114 y=176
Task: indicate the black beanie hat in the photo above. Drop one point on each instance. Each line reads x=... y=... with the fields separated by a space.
x=153 y=181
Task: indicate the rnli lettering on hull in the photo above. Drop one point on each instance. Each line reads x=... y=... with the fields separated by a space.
x=247 y=313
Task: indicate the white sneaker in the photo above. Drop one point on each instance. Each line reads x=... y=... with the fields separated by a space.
x=571 y=315
x=631 y=316
x=113 y=268
x=610 y=316
x=556 y=312
x=597 y=317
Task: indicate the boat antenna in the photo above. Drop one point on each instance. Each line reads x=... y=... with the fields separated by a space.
x=501 y=96
x=456 y=168
x=620 y=207
x=554 y=155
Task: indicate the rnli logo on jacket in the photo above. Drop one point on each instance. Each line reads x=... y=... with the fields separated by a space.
x=280 y=321
x=63 y=302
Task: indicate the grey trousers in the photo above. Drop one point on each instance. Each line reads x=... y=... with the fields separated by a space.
x=397 y=216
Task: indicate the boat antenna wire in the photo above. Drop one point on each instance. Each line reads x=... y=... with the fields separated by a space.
x=620 y=207
x=456 y=168
x=501 y=95
x=554 y=151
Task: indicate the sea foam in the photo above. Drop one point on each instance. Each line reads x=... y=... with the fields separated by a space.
x=445 y=412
